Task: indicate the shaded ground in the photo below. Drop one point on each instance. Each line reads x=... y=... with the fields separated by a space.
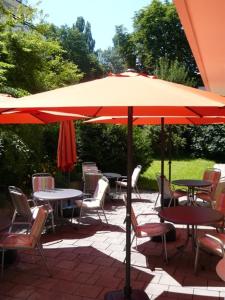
x=87 y=262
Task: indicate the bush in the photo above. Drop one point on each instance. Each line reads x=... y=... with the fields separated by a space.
x=107 y=146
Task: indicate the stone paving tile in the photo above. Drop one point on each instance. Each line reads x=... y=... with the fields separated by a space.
x=88 y=262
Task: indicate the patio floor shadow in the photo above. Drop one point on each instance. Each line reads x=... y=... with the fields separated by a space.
x=87 y=262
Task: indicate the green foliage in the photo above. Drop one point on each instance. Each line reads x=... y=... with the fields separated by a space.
x=26 y=149
x=207 y=141
x=173 y=71
x=158 y=33
x=107 y=145
x=124 y=44
x=17 y=93
x=79 y=45
x=111 y=60
x=30 y=61
x=175 y=141
x=14 y=154
x=38 y=63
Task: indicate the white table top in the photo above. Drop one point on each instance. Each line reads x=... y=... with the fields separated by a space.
x=57 y=194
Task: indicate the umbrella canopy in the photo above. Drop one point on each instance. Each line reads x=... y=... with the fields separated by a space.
x=112 y=95
x=33 y=117
x=66 y=152
x=37 y=117
x=146 y=120
x=204 y=25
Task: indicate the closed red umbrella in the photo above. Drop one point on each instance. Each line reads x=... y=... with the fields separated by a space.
x=66 y=153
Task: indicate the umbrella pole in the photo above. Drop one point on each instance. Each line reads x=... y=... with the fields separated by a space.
x=127 y=289
x=127 y=293
x=169 y=151
x=162 y=161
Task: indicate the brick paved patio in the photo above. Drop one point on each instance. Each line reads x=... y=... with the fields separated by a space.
x=88 y=262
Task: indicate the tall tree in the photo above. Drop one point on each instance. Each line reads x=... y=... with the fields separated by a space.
x=89 y=39
x=124 y=44
x=158 y=33
x=111 y=60
x=79 y=46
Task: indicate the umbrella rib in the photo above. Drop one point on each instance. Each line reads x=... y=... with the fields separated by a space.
x=193 y=111
x=191 y=121
x=37 y=117
x=97 y=111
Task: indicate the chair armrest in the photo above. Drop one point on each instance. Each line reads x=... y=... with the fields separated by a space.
x=32 y=202
x=214 y=238
x=86 y=195
x=89 y=199
x=147 y=214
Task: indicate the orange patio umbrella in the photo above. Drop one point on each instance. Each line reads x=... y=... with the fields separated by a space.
x=33 y=117
x=112 y=95
x=204 y=25
x=119 y=95
x=146 y=120
x=66 y=153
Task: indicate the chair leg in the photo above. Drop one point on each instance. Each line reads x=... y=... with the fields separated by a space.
x=72 y=214
x=99 y=215
x=12 y=222
x=40 y=249
x=164 y=246
x=80 y=216
x=156 y=200
x=53 y=221
x=104 y=215
x=171 y=198
x=137 y=191
x=3 y=261
x=196 y=258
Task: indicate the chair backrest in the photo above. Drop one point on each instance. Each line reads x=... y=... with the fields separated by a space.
x=213 y=175
x=42 y=181
x=219 y=189
x=135 y=175
x=167 y=188
x=134 y=222
x=220 y=203
x=89 y=167
x=39 y=224
x=91 y=181
x=20 y=202
x=101 y=189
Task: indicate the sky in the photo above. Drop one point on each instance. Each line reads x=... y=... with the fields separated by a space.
x=103 y=15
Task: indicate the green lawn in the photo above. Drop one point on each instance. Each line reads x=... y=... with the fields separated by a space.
x=181 y=169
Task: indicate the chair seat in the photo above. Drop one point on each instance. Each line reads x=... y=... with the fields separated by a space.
x=209 y=243
x=91 y=203
x=204 y=196
x=152 y=229
x=122 y=183
x=20 y=241
x=179 y=193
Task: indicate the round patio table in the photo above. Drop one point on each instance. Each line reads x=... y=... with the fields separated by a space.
x=57 y=194
x=111 y=175
x=220 y=269
x=191 y=184
x=191 y=216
